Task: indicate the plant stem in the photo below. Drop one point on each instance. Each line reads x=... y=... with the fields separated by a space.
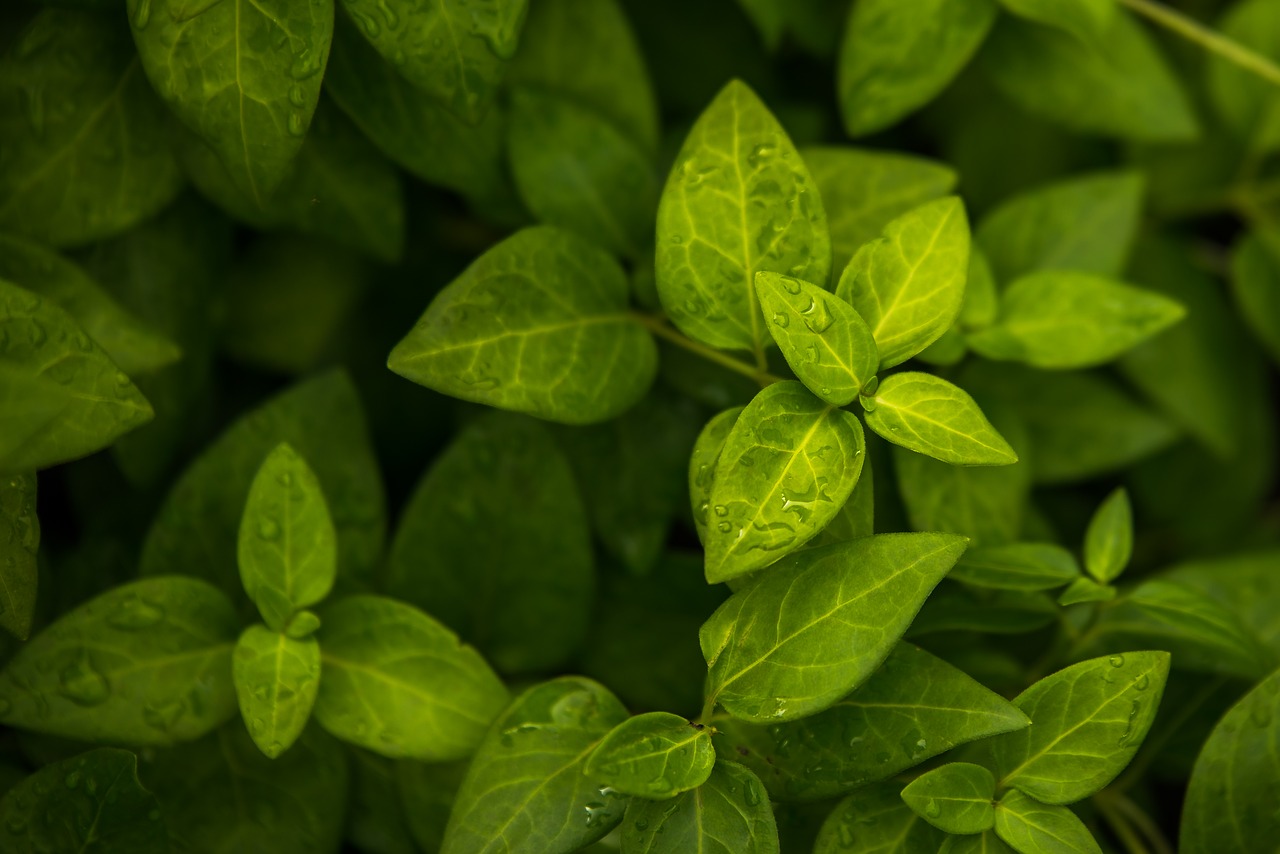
x=658 y=326
x=1142 y=823
x=1193 y=30
x=1119 y=826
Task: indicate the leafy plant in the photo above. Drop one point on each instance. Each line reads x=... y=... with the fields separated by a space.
x=749 y=490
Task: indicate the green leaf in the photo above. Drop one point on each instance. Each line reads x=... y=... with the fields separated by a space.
x=1001 y=612
x=1088 y=721
x=914 y=707
x=788 y=465
x=957 y=797
x=896 y=57
x=574 y=169
x=1247 y=105
x=86 y=154
x=1108 y=542
x=824 y=340
x=702 y=465
x=426 y=796
x=1087 y=20
x=738 y=200
x=276 y=678
x=729 y=814
x=1255 y=281
x=876 y=820
x=656 y=755
x=856 y=517
x=377 y=821
x=909 y=284
x=1085 y=223
x=981 y=303
x=91 y=802
x=1086 y=590
x=302 y=625
x=288 y=551
x=864 y=190
x=1030 y=827
x=525 y=791
x=819 y=624
x=1017 y=566
x=398 y=683
x=146 y=663
x=977 y=843
x=260 y=67
x=19 y=546
x=929 y=415
x=770 y=19
x=453 y=50
x=537 y=324
x=1230 y=805
x=1243 y=584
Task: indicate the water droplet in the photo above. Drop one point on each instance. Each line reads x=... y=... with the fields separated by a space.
x=164 y=715
x=122 y=379
x=642 y=825
x=367 y=23
x=135 y=613
x=750 y=794
x=725 y=527
x=305 y=65
x=791 y=286
x=389 y=15
x=297 y=125
x=781 y=320
x=269 y=530
x=721 y=511
x=816 y=316
x=297 y=96
x=932 y=809
x=285 y=478
x=141 y=14
x=1142 y=682
x=73 y=779
x=84 y=685
x=761 y=153
x=1116 y=661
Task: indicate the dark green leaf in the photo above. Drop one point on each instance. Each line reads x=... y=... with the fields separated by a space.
x=276 y=679
x=929 y=415
x=1245 y=585
x=978 y=843
x=377 y=823
x=1086 y=590
x=1087 y=20
x=1030 y=827
x=1108 y=542
x=874 y=820
x=729 y=814
x=19 y=545
x=656 y=755
x=957 y=797
x=1255 y=280
x=1247 y=105
x=1017 y=566
x=956 y=609
x=427 y=792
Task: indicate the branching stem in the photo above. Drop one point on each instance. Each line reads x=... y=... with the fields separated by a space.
x=658 y=326
x=1214 y=42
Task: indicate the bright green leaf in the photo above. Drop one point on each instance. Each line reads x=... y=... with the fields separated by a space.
x=1030 y=827
x=19 y=545
x=1017 y=566
x=977 y=843
x=856 y=517
x=1087 y=20
x=875 y=819
x=929 y=415
x=729 y=814
x=1086 y=590
x=1108 y=542
x=655 y=755
x=702 y=465
x=957 y=797
x=276 y=678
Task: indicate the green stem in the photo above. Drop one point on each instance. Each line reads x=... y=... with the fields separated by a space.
x=1120 y=826
x=1193 y=30
x=1142 y=823
x=708 y=711
x=658 y=326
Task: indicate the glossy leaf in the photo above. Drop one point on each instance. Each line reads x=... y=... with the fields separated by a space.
x=1030 y=827
x=1086 y=590
x=824 y=340
x=957 y=797
x=1108 y=542
x=1017 y=566
x=930 y=416
x=909 y=284
x=856 y=517
x=525 y=791
x=1246 y=107
x=875 y=819
x=738 y=200
x=656 y=755
x=819 y=624
x=1255 y=280
x=146 y=663
x=276 y=678
x=702 y=466
x=398 y=683
x=1087 y=20
x=538 y=324
x=19 y=546
x=788 y=465
x=729 y=814
x=260 y=68
x=1088 y=721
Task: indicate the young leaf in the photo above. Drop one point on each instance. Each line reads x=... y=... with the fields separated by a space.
x=146 y=663
x=1255 y=281
x=260 y=68
x=85 y=149
x=276 y=678
x=929 y=415
x=525 y=791
x=787 y=467
x=538 y=324
x=656 y=755
x=288 y=551
x=876 y=819
x=824 y=340
x=897 y=56
x=1088 y=721
x=819 y=624
x=1108 y=542
x=1247 y=106
x=19 y=545
x=1030 y=827
x=957 y=797
x=90 y=802
x=738 y=200
x=398 y=683
x=1086 y=590
x=1087 y=20
x=908 y=285
x=702 y=466
x=1017 y=566
x=728 y=814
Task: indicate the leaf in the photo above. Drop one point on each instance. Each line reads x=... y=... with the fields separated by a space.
x=864 y=190
x=856 y=517
x=1086 y=223
x=738 y=200
x=1108 y=542
x=1088 y=721
x=19 y=546
x=957 y=797
x=1243 y=584
x=953 y=608
x=1247 y=106
x=426 y=796
x=1086 y=590
x=400 y=684
x=1230 y=805
x=825 y=341
x=1255 y=281
x=91 y=802
x=195 y=530
x=453 y=50
x=376 y=819
x=909 y=284
x=1034 y=828
x=770 y=19
x=729 y=814
x=288 y=550
x=133 y=346
x=276 y=678
x=656 y=755
x=977 y=843
x=1062 y=320
x=537 y=324
x=85 y=149
x=914 y=707
x=702 y=465
x=819 y=624
x=146 y=663
x=574 y=169
x=876 y=820
x=1087 y=20
x=260 y=66
x=1017 y=566
x=896 y=57
x=494 y=542
x=788 y=465
x=525 y=791
x=929 y=415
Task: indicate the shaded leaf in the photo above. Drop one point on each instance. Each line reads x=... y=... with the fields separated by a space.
x=276 y=678
x=1017 y=566
x=957 y=797
x=19 y=545
x=1087 y=20
x=876 y=820
x=1108 y=542
x=729 y=814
